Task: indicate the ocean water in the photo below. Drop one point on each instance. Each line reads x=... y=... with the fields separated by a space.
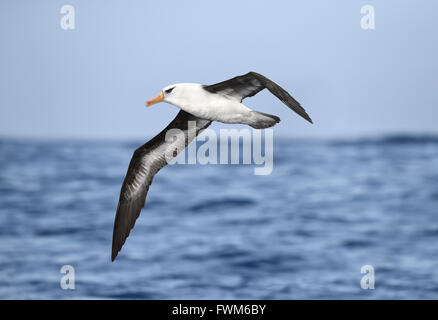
x=220 y=232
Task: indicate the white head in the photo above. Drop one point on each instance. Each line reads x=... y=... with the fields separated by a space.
x=175 y=93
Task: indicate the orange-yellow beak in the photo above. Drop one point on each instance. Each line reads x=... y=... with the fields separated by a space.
x=155 y=100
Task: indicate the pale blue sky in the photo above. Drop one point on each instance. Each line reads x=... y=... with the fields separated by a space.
x=92 y=82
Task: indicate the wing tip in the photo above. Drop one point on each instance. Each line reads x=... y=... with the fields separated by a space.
x=117 y=247
x=114 y=252
x=113 y=256
x=303 y=114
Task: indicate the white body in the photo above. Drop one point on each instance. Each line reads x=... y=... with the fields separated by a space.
x=192 y=98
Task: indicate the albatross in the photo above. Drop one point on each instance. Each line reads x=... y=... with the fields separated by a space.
x=199 y=104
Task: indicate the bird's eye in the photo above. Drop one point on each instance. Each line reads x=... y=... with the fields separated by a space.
x=169 y=90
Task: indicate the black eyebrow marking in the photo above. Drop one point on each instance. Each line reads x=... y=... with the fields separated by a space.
x=169 y=90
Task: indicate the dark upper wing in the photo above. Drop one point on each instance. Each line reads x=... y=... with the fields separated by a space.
x=252 y=83
x=145 y=163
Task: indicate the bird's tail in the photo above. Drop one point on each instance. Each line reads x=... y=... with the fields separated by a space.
x=260 y=120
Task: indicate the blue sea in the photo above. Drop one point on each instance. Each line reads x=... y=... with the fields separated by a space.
x=329 y=208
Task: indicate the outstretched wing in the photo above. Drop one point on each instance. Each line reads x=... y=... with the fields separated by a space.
x=252 y=83
x=145 y=163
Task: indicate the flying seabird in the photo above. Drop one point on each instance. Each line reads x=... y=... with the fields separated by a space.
x=199 y=104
